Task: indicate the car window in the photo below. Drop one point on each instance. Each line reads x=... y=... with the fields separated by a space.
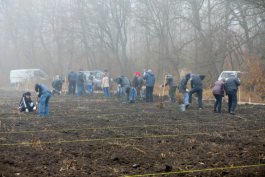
x=226 y=75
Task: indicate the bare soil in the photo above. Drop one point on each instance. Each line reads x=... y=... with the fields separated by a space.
x=94 y=136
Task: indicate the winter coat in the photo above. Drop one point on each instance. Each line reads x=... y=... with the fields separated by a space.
x=219 y=87
x=57 y=84
x=231 y=85
x=150 y=79
x=196 y=82
x=105 y=82
x=71 y=76
x=80 y=78
x=26 y=103
x=41 y=89
x=183 y=84
x=137 y=82
x=170 y=81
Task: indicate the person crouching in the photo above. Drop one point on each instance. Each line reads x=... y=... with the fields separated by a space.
x=26 y=104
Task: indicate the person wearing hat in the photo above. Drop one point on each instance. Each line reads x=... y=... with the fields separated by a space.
x=231 y=87
x=105 y=85
x=26 y=104
x=44 y=95
x=137 y=82
x=149 y=77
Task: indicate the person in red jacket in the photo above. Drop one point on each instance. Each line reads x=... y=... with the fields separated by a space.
x=218 y=92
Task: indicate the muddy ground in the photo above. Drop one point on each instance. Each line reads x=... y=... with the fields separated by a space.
x=93 y=136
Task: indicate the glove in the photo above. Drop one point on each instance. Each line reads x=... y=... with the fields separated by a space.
x=34 y=108
x=27 y=110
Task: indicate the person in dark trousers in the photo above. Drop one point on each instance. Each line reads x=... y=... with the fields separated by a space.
x=149 y=77
x=137 y=82
x=169 y=81
x=218 y=92
x=26 y=104
x=231 y=87
x=71 y=82
x=196 y=87
x=80 y=81
x=57 y=85
x=124 y=84
x=183 y=89
x=44 y=95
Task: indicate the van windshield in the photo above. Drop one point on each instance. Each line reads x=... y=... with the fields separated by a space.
x=227 y=75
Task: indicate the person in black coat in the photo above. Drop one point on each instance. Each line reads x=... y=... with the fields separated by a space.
x=26 y=104
x=196 y=87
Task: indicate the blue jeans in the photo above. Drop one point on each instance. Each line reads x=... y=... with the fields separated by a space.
x=71 y=87
x=44 y=104
x=106 y=91
x=218 y=103
x=149 y=94
x=80 y=89
x=232 y=102
x=133 y=95
x=186 y=98
x=199 y=94
x=89 y=88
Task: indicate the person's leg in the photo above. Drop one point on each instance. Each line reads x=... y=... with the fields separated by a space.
x=190 y=95
x=41 y=105
x=234 y=103
x=186 y=98
x=219 y=103
x=173 y=94
x=151 y=94
x=147 y=94
x=229 y=102
x=48 y=95
x=107 y=91
x=199 y=93
x=215 y=103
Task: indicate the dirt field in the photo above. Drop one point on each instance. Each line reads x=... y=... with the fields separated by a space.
x=98 y=137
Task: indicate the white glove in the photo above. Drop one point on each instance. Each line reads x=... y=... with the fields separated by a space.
x=34 y=108
x=27 y=110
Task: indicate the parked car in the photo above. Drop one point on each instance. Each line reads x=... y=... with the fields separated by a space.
x=228 y=74
x=23 y=77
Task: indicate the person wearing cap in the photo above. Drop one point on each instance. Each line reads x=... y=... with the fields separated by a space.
x=44 y=95
x=137 y=83
x=218 y=93
x=169 y=81
x=149 y=77
x=26 y=104
x=182 y=87
x=231 y=87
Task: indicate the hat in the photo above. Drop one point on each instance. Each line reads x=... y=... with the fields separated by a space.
x=137 y=73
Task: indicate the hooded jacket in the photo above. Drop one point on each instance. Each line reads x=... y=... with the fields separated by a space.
x=231 y=85
x=150 y=79
x=196 y=82
x=219 y=87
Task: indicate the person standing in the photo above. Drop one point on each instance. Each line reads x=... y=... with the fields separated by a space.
x=80 y=80
x=71 y=82
x=231 y=87
x=105 y=85
x=169 y=81
x=150 y=83
x=44 y=95
x=196 y=87
x=218 y=92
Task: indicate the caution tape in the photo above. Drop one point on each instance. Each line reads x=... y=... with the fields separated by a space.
x=199 y=170
x=122 y=138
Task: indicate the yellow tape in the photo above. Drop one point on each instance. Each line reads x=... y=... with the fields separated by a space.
x=122 y=138
x=199 y=170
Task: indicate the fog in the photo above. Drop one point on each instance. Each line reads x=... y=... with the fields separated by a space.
x=124 y=36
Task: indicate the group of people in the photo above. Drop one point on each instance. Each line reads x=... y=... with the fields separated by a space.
x=131 y=91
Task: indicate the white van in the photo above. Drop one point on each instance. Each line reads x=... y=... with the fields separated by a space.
x=21 y=77
x=228 y=74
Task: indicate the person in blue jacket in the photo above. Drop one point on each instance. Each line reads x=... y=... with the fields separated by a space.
x=196 y=87
x=149 y=77
x=80 y=81
x=231 y=87
x=44 y=95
